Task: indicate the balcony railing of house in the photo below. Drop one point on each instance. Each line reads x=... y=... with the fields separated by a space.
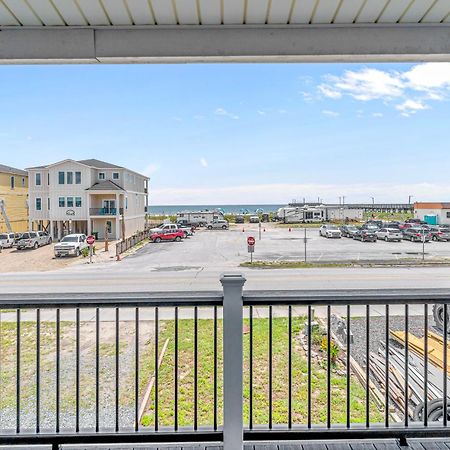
x=105 y=211
x=229 y=366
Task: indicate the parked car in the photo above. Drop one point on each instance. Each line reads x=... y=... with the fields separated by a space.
x=415 y=221
x=188 y=231
x=72 y=244
x=254 y=219
x=240 y=218
x=417 y=234
x=167 y=235
x=348 y=230
x=376 y=223
x=17 y=238
x=30 y=239
x=44 y=238
x=330 y=231
x=165 y=227
x=370 y=227
x=7 y=240
x=440 y=233
x=391 y=225
x=405 y=226
x=218 y=224
x=389 y=234
x=365 y=235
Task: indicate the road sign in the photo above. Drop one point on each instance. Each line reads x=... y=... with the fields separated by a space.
x=90 y=240
x=251 y=248
x=251 y=241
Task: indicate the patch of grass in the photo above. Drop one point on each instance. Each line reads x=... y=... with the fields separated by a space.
x=260 y=364
x=388 y=216
x=298 y=225
x=291 y=264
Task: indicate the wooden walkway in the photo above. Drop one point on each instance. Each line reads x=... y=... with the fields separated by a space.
x=413 y=444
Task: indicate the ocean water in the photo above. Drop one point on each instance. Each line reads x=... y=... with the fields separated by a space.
x=160 y=210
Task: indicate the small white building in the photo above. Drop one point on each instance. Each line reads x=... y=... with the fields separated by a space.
x=88 y=196
x=430 y=212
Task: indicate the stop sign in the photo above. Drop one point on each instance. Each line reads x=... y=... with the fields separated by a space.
x=90 y=240
x=251 y=240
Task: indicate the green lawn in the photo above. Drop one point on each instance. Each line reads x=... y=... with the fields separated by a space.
x=185 y=371
x=260 y=378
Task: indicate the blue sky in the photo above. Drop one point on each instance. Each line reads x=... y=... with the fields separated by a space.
x=230 y=133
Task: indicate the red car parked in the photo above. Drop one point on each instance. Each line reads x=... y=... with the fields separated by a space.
x=169 y=235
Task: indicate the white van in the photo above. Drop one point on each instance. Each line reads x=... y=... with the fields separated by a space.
x=7 y=240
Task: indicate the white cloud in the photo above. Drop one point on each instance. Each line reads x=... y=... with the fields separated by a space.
x=199 y=117
x=409 y=107
x=409 y=91
x=329 y=113
x=261 y=113
x=377 y=114
x=282 y=193
x=224 y=112
x=203 y=162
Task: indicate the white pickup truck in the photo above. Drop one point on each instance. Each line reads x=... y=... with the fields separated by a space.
x=171 y=227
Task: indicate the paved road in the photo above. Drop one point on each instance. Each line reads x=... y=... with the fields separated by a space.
x=197 y=263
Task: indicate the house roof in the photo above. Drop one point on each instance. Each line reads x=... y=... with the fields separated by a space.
x=97 y=164
x=106 y=185
x=432 y=205
x=12 y=170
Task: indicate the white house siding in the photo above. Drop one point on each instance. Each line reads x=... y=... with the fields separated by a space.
x=73 y=218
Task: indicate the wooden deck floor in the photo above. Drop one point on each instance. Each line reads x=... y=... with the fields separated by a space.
x=413 y=444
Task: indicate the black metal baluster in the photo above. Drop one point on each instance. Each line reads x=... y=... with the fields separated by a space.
x=348 y=367
x=445 y=375
x=77 y=369
x=38 y=370
x=136 y=369
x=156 y=366
x=328 y=366
x=425 y=366
x=195 y=368
x=58 y=369
x=270 y=365
x=386 y=380
x=406 y=365
x=309 y=364
x=250 y=357
x=367 y=366
x=290 y=367
x=176 y=371
x=117 y=367
x=215 y=367
x=97 y=370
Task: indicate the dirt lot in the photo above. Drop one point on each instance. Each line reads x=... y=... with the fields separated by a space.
x=42 y=259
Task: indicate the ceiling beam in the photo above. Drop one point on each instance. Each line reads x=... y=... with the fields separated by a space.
x=160 y=44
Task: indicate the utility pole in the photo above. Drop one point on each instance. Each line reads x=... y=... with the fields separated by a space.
x=343 y=199
x=106 y=237
x=373 y=200
x=305 y=241
x=409 y=199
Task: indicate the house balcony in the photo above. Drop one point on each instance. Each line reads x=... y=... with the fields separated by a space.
x=105 y=212
x=227 y=369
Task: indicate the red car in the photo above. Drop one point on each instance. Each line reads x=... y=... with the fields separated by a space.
x=169 y=235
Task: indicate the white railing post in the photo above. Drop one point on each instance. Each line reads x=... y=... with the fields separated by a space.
x=232 y=361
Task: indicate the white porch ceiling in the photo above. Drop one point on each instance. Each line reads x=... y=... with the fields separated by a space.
x=60 y=13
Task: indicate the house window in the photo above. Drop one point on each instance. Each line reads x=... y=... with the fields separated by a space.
x=126 y=202
x=61 y=177
x=48 y=203
x=115 y=175
x=12 y=183
x=69 y=177
x=23 y=182
x=62 y=202
x=77 y=177
x=78 y=202
x=48 y=179
x=38 y=204
x=38 y=179
x=70 y=202
x=108 y=226
x=448 y=215
x=101 y=175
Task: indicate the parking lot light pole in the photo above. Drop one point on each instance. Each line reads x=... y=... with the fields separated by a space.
x=305 y=241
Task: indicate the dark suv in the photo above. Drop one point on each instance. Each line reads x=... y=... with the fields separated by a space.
x=349 y=230
x=365 y=235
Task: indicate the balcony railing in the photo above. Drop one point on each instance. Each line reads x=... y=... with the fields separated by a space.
x=230 y=366
x=105 y=211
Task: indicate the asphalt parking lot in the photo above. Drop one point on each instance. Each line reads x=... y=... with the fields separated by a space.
x=229 y=248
